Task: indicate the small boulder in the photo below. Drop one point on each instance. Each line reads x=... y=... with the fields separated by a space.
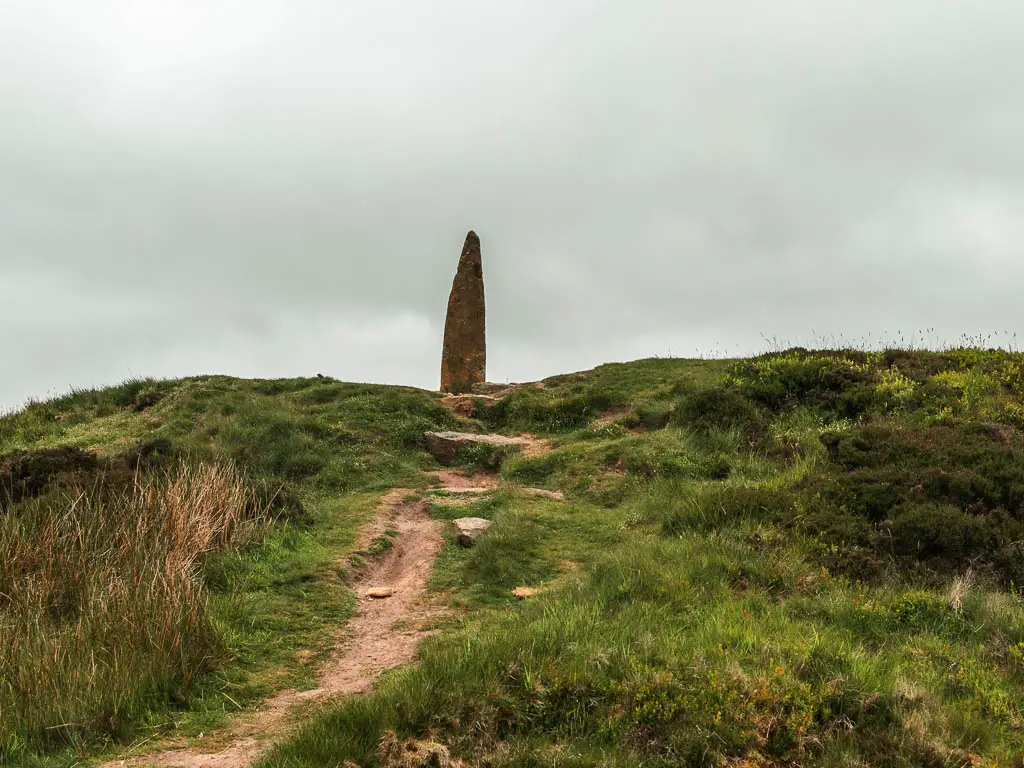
x=470 y=529
x=446 y=446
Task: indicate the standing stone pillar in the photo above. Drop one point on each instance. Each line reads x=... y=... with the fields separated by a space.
x=464 y=358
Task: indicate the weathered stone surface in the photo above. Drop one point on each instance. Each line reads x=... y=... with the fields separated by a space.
x=470 y=529
x=464 y=357
x=446 y=446
x=467 y=405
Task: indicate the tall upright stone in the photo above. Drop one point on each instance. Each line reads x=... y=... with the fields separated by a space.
x=464 y=358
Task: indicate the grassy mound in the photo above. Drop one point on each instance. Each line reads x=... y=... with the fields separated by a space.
x=800 y=559
x=169 y=550
x=805 y=558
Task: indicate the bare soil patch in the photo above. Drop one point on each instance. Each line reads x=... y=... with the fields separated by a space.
x=534 y=446
x=611 y=415
x=457 y=480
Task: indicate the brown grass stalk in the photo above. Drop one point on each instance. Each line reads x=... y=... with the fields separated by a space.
x=102 y=606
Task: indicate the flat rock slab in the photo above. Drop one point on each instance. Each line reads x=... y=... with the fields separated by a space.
x=446 y=446
x=470 y=529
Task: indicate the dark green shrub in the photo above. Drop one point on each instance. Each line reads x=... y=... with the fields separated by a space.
x=917 y=365
x=282 y=502
x=856 y=563
x=939 y=496
x=962 y=465
x=1008 y=561
x=839 y=384
x=27 y=474
x=721 y=408
x=936 y=530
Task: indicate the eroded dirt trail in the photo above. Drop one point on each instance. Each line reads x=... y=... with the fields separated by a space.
x=384 y=633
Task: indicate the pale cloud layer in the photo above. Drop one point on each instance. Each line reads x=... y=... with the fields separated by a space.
x=270 y=187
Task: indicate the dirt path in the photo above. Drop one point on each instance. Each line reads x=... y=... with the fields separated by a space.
x=384 y=633
x=535 y=446
x=455 y=480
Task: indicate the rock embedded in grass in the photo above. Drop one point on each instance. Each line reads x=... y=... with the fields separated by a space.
x=447 y=447
x=470 y=529
x=467 y=405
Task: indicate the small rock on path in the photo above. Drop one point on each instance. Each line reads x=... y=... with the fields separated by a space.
x=470 y=529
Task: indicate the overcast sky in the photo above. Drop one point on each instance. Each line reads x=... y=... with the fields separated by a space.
x=282 y=187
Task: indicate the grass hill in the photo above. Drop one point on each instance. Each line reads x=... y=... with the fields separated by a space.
x=805 y=558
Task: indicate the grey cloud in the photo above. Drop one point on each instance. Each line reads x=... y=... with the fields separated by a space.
x=211 y=185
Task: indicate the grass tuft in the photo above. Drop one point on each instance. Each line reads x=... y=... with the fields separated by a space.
x=102 y=606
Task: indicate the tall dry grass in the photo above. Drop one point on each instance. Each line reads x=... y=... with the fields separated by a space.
x=102 y=605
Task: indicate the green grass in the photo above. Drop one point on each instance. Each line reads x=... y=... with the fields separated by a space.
x=273 y=606
x=530 y=543
x=102 y=609
x=797 y=559
x=672 y=653
x=722 y=609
